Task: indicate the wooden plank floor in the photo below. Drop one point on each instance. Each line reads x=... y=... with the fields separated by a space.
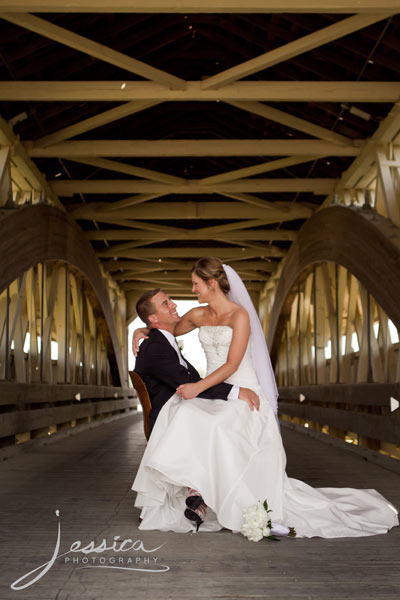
x=88 y=478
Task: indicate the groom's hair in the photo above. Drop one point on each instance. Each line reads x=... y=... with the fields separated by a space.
x=145 y=307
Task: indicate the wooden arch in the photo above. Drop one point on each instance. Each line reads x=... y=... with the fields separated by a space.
x=361 y=240
x=41 y=233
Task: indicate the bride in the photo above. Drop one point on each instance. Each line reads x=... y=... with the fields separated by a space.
x=226 y=455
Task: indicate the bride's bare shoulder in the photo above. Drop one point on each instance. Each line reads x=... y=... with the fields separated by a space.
x=239 y=315
x=197 y=315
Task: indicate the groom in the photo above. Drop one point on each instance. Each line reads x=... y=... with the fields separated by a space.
x=160 y=363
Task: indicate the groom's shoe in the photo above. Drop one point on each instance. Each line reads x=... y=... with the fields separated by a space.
x=194 y=499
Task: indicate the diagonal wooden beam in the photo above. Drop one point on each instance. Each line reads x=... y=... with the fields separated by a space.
x=127 y=202
x=266 y=167
x=108 y=116
x=253 y=200
x=304 y=44
x=121 y=248
x=83 y=44
x=263 y=250
x=235 y=226
x=161 y=282
x=279 y=116
x=119 y=167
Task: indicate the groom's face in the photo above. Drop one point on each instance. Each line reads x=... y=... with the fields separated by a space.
x=165 y=315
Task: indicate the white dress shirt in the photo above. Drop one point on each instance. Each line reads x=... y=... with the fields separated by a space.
x=233 y=394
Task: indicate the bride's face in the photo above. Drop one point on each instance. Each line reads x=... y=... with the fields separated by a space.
x=201 y=289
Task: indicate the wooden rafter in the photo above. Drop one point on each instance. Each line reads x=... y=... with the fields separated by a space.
x=108 y=116
x=112 y=165
x=279 y=116
x=83 y=44
x=304 y=44
x=266 y=167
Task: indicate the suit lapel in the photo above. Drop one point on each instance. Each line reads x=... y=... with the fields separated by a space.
x=161 y=337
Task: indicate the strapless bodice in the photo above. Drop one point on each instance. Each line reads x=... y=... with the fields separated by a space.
x=216 y=341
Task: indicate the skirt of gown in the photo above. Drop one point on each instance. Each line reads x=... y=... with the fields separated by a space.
x=235 y=457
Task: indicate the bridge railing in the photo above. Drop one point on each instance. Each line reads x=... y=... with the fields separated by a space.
x=360 y=414
x=29 y=411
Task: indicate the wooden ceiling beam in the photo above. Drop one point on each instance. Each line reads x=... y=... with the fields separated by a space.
x=168 y=148
x=25 y=166
x=191 y=234
x=265 y=167
x=263 y=91
x=130 y=201
x=119 y=167
x=234 y=226
x=174 y=291
x=165 y=276
x=122 y=186
x=267 y=265
x=254 y=201
x=279 y=116
x=385 y=133
x=288 y=51
x=103 y=53
x=108 y=116
x=200 y=210
x=200 y=6
x=223 y=253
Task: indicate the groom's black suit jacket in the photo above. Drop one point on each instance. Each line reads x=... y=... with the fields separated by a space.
x=158 y=365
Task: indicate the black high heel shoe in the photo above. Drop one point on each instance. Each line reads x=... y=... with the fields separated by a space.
x=194 y=500
x=194 y=517
x=197 y=515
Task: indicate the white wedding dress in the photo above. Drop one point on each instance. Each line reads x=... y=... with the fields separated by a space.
x=235 y=457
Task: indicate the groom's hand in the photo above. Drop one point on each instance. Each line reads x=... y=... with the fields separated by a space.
x=250 y=397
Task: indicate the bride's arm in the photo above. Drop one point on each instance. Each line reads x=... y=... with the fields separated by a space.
x=187 y=323
x=240 y=339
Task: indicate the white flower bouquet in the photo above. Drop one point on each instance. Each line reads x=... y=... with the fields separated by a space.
x=257 y=523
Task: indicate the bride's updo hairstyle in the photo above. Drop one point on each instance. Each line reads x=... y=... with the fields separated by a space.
x=211 y=268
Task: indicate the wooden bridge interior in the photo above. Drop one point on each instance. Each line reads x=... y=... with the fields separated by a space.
x=137 y=136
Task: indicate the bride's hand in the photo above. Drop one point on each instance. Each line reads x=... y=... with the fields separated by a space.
x=188 y=391
x=138 y=334
x=250 y=397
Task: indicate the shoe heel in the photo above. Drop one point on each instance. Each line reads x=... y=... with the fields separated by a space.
x=194 y=517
